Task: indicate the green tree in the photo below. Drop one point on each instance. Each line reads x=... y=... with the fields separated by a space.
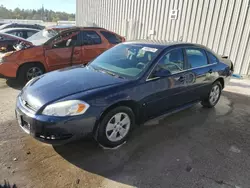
x=40 y=14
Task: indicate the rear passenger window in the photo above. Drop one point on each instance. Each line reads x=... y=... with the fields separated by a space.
x=196 y=58
x=91 y=38
x=212 y=58
x=112 y=38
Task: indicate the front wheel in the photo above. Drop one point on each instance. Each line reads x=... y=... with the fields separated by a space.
x=29 y=71
x=115 y=127
x=214 y=96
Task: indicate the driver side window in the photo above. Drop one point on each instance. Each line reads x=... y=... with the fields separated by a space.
x=172 y=62
x=67 y=40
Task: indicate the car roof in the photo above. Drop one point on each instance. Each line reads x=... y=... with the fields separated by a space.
x=75 y=28
x=17 y=28
x=60 y=27
x=71 y=27
x=21 y=25
x=163 y=43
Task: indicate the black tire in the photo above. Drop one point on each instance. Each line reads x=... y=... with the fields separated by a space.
x=101 y=132
x=207 y=103
x=23 y=71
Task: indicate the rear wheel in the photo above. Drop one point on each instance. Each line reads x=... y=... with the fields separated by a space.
x=214 y=95
x=29 y=71
x=115 y=127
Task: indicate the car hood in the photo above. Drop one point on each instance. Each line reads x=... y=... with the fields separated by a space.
x=65 y=82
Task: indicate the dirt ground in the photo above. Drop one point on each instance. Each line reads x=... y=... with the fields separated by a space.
x=195 y=148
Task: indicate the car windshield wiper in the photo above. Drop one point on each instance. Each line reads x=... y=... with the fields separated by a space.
x=110 y=73
x=90 y=66
x=105 y=71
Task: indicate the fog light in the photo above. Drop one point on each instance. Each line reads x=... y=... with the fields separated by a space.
x=53 y=137
x=41 y=136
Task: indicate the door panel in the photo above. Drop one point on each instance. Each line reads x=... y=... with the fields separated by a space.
x=204 y=79
x=167 y=84
x=58 y=58
x=203 y=71
x=77 y=55
x=59 y=55
x=166 y=93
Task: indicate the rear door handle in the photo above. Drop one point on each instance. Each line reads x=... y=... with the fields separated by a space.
x=76 y=52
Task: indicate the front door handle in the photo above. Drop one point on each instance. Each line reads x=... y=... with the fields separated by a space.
x=76 y=52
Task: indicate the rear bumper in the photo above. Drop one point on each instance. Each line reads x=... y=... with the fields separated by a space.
x=8 y=70
x=53 y=130
x=227 y=80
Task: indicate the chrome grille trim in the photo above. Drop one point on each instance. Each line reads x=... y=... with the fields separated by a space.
x=26 y=105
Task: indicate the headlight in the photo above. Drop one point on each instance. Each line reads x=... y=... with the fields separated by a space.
x=66 y=108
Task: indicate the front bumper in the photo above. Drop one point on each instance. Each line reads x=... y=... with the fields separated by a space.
x=8 y=70
x=53 y=130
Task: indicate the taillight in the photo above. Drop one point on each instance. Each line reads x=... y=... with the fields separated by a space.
x=232 y=67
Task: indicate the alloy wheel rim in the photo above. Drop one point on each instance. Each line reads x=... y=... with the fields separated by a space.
x=214 y=94
x=118 y=127
x=34 y=72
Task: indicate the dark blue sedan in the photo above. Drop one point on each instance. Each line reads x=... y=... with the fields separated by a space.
x=125 y=86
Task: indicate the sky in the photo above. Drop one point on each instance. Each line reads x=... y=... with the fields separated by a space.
x=68 y=6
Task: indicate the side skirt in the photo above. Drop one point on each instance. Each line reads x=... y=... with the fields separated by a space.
x=172 y=111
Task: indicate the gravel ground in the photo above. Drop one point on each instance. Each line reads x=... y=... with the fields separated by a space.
x=195 y=148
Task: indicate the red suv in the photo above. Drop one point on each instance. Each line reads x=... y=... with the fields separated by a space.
x=40 y=54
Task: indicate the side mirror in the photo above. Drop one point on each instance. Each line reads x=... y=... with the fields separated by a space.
x=162 y=73
x=53 y=45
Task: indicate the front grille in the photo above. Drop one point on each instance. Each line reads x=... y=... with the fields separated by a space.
x=26 y=104
x=30 y=107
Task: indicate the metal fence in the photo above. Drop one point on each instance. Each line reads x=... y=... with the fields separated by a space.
x=41 y=22
x=21 y=21
x=222 y=25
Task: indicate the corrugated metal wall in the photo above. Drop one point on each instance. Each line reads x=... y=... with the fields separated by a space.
x=222 y=25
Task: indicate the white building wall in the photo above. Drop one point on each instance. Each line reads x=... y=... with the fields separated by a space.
x=222 y=25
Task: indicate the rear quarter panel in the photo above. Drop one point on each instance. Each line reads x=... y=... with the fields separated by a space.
x=222 y=71
x=227 y=69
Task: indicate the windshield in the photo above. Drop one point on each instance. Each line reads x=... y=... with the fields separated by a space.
x=42 y=36
x=126 y=60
